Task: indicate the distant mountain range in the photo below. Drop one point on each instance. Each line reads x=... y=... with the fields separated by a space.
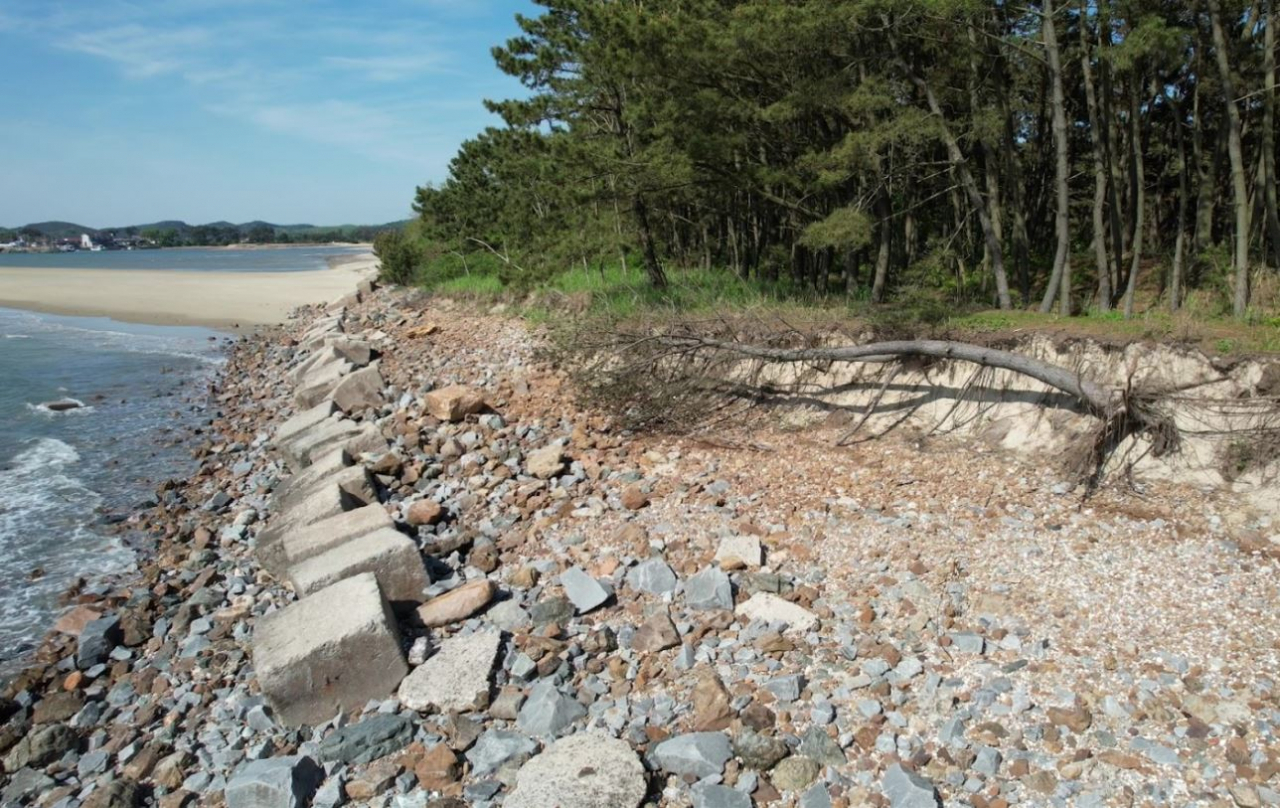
x=71 y=230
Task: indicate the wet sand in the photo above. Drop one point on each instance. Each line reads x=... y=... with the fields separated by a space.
x=228 y=300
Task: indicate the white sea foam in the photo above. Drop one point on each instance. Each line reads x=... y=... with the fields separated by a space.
x=43 y=408
x=17 y=336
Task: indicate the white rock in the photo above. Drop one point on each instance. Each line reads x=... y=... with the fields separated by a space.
x=773 y=609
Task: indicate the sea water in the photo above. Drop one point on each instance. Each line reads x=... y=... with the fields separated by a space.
x=66 y=476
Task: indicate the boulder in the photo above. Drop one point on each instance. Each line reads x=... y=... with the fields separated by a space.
x=456 y=678
x=583 y=591
x=97 y=640
x=546 y=462
x=587 y=770
x=454 y=403
x=386 y=553
x=773 y=609
x=709 y=590
x=282 y=782
x=458 y=604
x=697 y=754
x=330 y=652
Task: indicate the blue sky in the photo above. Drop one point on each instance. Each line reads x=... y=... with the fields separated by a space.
x=117 y=112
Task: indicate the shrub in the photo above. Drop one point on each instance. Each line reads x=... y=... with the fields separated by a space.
x=400 y=256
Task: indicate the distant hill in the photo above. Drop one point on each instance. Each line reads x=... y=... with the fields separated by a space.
x=185 y=232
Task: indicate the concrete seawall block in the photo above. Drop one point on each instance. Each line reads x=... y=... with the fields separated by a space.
x=303 y=421
x=313 y=540
x=330 y=652
x=386 y=553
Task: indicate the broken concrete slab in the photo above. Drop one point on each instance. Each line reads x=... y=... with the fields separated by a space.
x=304 y=420
x=456 y=678
x=386 y=553
x=587 y=770
x=328 y=653
x=773 y=609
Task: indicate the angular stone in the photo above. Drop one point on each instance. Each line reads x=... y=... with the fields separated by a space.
x=773 y=609
x=41 y=747
x=509 y=616
x=760 y=752
x=712 y=709
x=300 y=450
x=698 y=754
x=709 y=589
x=457 y=604
x=304 y=420
x=496 y=748
x=906 y=789
x=387 y=553
x=116 y=794
x=546 y=462
x=331 y=652
x=547 y=711
x=320 y=537
x=360 y=390
x=716 y=796
x=372 y=738
x=736 y=552
x=438 y=768
x=73 y=621
x=551 y=610
x=586 y=770
x=454 y=403
x=97 y=640
x=456 y=678
x=283 y=782
x=583 y=591
x=818 y=745
x=356 y=351
x=652 y=576
x=318 y=382
x=657 y=633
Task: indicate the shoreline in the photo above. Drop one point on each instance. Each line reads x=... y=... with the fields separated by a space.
x=232 y=301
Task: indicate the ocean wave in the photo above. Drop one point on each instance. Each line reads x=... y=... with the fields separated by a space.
x=17 y=336
x=44 y=409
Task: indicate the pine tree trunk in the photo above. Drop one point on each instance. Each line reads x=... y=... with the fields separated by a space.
x=1139 y=174
x=1062 y=224
x=1270 y=177
x=1240 y=190
x=1102 y=261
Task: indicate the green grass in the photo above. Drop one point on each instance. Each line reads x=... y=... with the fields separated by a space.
x=619 y=294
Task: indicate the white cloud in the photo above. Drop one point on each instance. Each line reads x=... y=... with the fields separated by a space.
x=387 y=68
x=141 y=52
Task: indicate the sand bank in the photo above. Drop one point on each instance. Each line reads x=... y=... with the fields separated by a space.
x=235 y=300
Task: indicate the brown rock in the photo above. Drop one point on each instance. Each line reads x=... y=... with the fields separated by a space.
x=711 y=708
x=634 y=497
x=456 y=605
x=117 y=794
x=546 y=462
x=374 y=780
x=438 y=768
x=172 y=770
x=1077 y=717
x=657 y=633
x=424 y=512
x=143 y=763
x=524 y=578
x=74 y=621
x=57 y=707
x=454 y=403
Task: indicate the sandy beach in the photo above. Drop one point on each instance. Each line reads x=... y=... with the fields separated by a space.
x=231 y=300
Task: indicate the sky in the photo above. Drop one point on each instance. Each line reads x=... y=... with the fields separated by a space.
x=119 y=112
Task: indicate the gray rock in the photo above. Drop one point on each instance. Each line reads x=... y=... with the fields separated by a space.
x=547 y=711
x=906 y=789
x=497 y=747
x=23 y=783
x=587 y=770
x=40 y=748
x=816 y=797
x=652 y=576
x=585 y=592
x=717 y=796
x=786 y=688
x=966 y=642
x=700 y=754
x=372 y=738
x=508 y=616
x=795 y=773
x=551 y=610
x=283 y=782
x=709 y=589
x=818 y=745
x=987 y=761
x=757 y=751
x=97 y=640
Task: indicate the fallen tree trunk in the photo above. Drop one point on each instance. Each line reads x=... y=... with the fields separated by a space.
x=1124 y=413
